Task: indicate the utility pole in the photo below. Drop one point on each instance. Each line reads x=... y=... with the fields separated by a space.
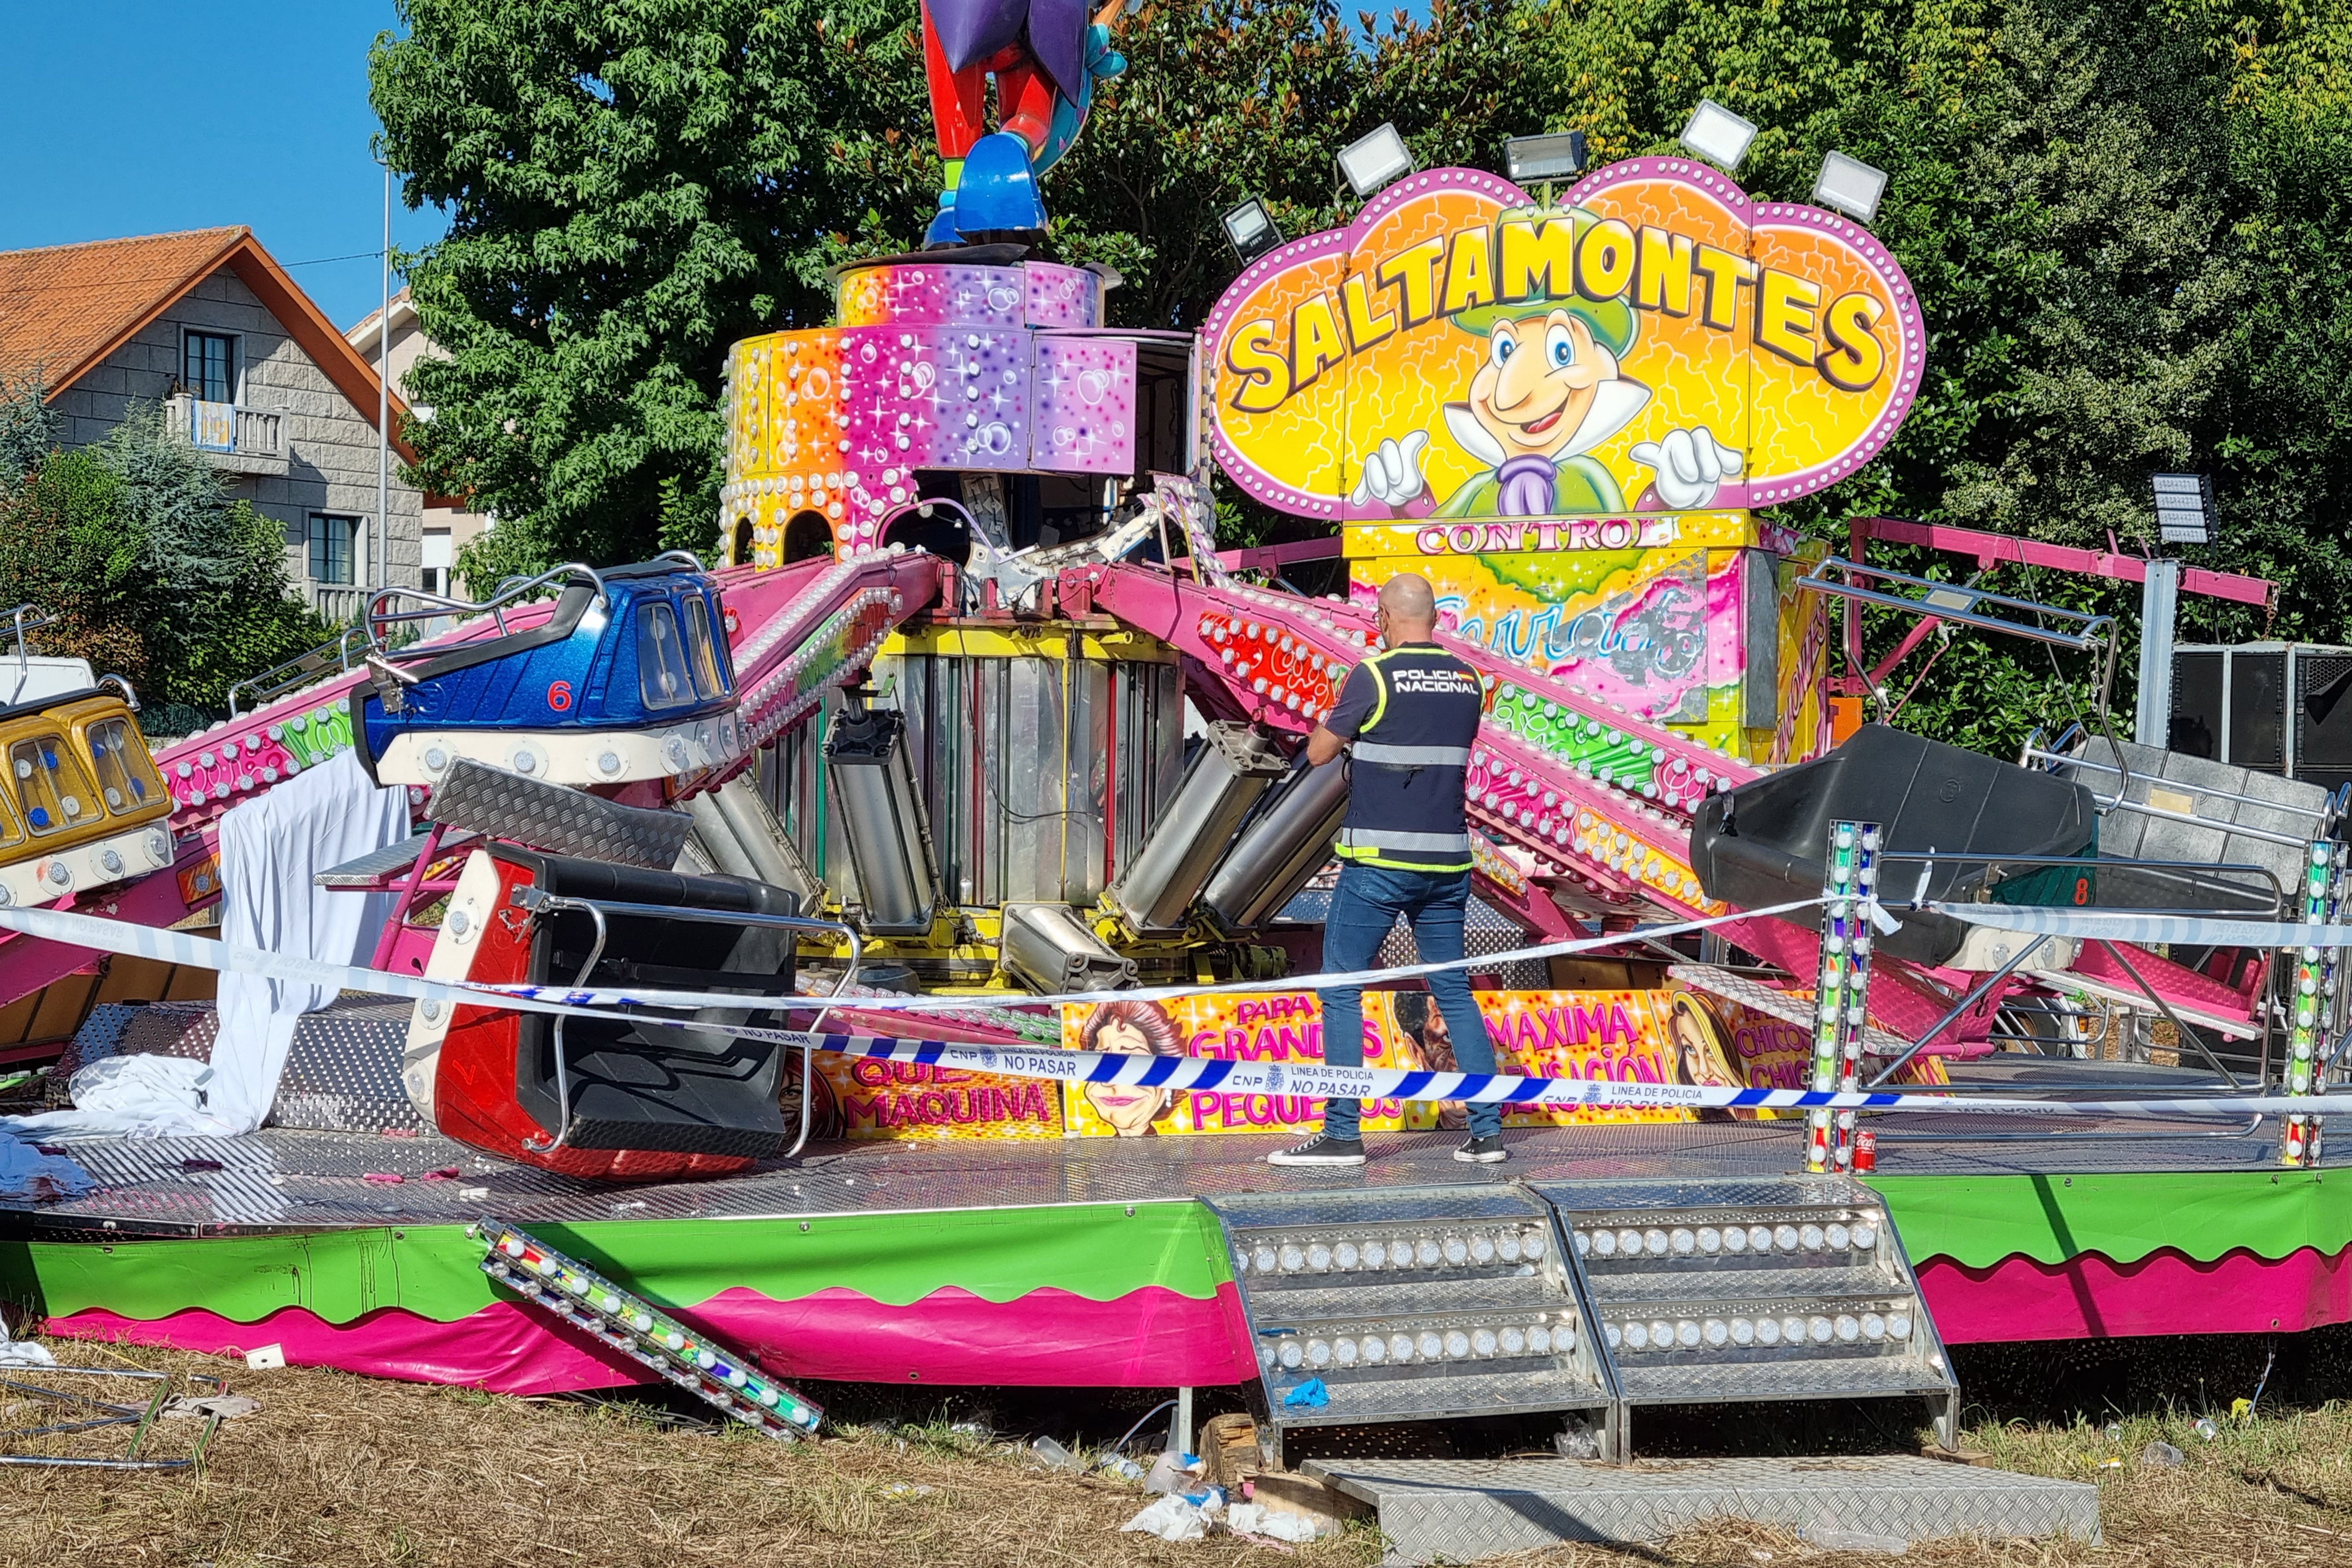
x=379 y=562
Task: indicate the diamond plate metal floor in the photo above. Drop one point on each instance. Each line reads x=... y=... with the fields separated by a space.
x=1463 y=1511
x=286 y=1179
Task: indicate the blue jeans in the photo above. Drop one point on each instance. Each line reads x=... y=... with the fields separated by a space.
x=1364 y=906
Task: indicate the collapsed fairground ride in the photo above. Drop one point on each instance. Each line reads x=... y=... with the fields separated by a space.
x=972 y=712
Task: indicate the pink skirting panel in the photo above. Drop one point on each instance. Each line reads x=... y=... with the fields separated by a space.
x=2088 y=1297
x=1150 y=1338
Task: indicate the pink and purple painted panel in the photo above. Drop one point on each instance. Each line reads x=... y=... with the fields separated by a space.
x=907 y=294
x=935 y=397
x=1085 y=391
x=1063 y=296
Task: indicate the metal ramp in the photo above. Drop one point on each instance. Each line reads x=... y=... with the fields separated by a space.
x=1593 y=1299
x=1409 y=1304
x=1452 y=1511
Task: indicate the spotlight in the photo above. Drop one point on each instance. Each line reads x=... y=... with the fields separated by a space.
x=1559 y=157
x=1250 y=230
x=1850 y=185
x=1372 y=162
x=1718 y=135
x=2184 y=508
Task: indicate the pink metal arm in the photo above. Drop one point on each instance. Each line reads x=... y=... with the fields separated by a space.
x=1992 y=549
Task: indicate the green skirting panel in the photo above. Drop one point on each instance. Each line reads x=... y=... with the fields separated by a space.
x=1977 y=1221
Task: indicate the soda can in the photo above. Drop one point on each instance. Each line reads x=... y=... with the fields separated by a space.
x=1865 y=1150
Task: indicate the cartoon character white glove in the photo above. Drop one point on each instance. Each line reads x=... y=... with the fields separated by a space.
x=1691 y=465
x=1391 y=473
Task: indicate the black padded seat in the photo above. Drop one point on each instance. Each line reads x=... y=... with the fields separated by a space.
x=1763 y=843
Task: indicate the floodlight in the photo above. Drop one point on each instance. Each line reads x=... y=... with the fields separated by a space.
x=1717 y=135
x=1372 y=162
x=1559 y=157
x=1250 y=230
x=2184 y=508
x=1850 y=185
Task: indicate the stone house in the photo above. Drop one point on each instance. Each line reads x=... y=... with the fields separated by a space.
x=245 y=365
x=447 y=528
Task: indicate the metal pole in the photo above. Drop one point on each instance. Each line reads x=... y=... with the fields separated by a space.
x=1841 y=991
x=2159 y=605
x=2309 y=1005
x=378 y=568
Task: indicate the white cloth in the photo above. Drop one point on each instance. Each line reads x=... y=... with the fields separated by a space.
x=134 y=1096
x=271 y=849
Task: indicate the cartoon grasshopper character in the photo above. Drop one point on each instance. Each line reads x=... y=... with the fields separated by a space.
x=1549 y=391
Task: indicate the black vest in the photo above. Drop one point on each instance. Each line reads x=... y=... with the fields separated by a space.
x=1409 y=762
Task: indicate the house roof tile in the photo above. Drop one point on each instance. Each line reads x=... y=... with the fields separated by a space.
x=65 y=307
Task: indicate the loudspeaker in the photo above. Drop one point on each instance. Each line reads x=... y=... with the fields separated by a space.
x=2276 y=707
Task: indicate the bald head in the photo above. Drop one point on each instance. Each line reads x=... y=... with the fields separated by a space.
x=1411 y=606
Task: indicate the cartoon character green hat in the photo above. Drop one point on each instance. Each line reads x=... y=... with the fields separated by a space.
x=1611 y=320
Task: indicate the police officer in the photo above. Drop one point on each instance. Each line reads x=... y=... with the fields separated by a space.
x=1412 y=713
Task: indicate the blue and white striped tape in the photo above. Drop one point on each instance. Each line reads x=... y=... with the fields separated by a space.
x=1176 y=1074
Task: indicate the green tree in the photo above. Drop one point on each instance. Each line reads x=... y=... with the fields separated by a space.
x=150 y=569
x=632 y=187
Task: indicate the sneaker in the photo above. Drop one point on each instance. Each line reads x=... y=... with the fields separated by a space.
x=1483 y=1151
x=1321 y=1149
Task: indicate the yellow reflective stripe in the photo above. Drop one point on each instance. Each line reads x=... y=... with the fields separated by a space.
x=1380 y=685
x=1373 y=858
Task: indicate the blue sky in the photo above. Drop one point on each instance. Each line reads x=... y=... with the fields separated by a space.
x=123 y=116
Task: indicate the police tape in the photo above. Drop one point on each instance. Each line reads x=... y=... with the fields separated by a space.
x=1351 y=979
x=1174 y=1074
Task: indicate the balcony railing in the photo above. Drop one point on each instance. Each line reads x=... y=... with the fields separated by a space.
x=237 y=439
x=338 y=602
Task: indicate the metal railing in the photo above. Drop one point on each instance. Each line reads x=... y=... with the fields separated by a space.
x=510 y=593
x=337 y=656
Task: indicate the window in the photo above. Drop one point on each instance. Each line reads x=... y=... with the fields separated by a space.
x=126 y=777
x=51 y=785
x=700 y=653
x=662 y=675
x=333 y=542
x=210 y=370
x=434 y=575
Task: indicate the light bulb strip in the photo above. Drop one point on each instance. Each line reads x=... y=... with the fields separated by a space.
x=629 y=1323
x=2311 y=1001
x=1841 y=991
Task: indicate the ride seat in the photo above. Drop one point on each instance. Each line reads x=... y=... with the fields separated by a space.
x=1763 y=843
x=646 y=1101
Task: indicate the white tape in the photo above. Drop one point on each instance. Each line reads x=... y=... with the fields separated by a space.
x=593 y=996
x=1318 y=1081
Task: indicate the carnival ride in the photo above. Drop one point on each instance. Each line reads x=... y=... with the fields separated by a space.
x=974 y=706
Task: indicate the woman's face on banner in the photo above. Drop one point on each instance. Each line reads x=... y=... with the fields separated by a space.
x=1128 y=1109
x=1698 y=1059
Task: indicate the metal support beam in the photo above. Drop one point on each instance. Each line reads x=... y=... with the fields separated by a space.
x=2159 y=606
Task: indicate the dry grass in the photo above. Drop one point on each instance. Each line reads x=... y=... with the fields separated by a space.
x=336 y=1469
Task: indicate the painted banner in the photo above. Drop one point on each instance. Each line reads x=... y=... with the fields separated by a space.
x=1617 y=1035
x=1743 y=1048
x=863 y=1098
x=1659 y=341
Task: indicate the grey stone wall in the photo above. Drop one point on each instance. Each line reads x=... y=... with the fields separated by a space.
x=331 y=444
